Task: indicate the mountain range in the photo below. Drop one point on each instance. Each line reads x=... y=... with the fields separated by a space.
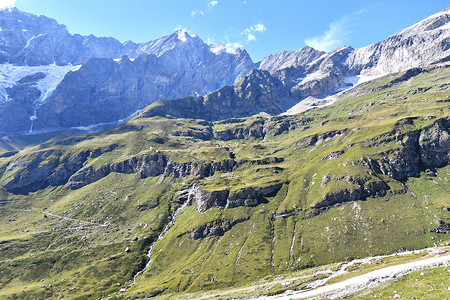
x=53 y=80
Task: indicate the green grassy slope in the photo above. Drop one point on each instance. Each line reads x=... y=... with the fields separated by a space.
x=331 y=184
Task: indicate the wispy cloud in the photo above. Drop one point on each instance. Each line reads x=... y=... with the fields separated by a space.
x=7 y=4
x=206 y=9
x=250 y=32
x=213 y=3
x=197 y=12
x=337 y=33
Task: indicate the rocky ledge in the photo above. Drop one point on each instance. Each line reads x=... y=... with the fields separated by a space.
x=214 y=228
x=203 y=199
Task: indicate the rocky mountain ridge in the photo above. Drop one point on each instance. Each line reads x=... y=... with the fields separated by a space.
x=107 y=89
x=314 y=75
x=168 y=68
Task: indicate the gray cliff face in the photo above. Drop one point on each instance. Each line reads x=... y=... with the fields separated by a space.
x=104 y=90
x=417 y=46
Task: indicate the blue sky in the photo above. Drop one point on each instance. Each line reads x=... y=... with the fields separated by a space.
x=262 y=27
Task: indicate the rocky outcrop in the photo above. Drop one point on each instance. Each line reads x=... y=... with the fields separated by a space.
x=204 y=199
x=375 y=188
x=149 y=166
x=318 y=139
x=333 y=155
x=211 y=229
x=252 y=196
x=254 y=130
x=419 y=149
x=441 y=227
x=434 y=144
x=45 y=168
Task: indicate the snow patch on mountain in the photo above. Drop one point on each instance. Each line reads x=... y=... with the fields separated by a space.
x=10 y=76
x=33 y=38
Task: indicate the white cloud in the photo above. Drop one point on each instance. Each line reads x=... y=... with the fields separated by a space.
x=250 y=32
x=336 y=35
x=232 y=47
x=7 y=3
x=255 y=28
x=258 y=28
x=251 y=37
x=213 y=3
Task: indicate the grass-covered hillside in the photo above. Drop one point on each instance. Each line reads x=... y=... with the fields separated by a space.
x=259 y=196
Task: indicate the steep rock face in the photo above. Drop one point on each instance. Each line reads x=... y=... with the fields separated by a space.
x=296 y=76
x=308 y=72
x=434 y=144
x=257 y=92
x=360 y=192
x=148 y=166
x=297 y=60
x=324 y=75
x=104 y=91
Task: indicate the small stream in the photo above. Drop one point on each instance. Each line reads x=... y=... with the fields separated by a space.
x=161 y=236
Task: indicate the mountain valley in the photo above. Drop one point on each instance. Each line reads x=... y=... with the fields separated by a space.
x=199 y=181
